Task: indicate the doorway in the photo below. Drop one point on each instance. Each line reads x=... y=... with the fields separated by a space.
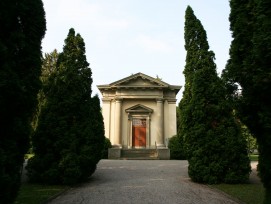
x=139 y=133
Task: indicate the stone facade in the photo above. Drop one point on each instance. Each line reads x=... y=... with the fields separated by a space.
x=139 y=112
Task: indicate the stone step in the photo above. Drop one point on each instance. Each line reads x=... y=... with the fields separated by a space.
x=139 y=154
x=139 y=158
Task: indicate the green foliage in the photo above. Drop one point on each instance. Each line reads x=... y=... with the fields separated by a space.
x=176 y=147
x=107 y=145
x=23 y=26
x=247 y=193
x=252 y=145
x=48 y=68
x=212 y=137
x=249 y=70
x=69 y=136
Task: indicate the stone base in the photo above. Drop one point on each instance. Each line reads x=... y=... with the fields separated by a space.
x=163 y=154
x=114 y=153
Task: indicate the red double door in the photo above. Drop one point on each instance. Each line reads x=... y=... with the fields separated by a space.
x=139 y=132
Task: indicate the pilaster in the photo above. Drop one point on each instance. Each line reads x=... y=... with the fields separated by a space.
x=118 y=116
x=160 y=125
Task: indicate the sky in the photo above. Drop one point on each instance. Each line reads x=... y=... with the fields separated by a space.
x=124 y=37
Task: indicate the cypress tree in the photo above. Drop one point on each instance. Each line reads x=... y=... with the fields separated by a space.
x=69 y=137
x=215 y=148
x=23 y=26
x=248 y=69
x=195 y=40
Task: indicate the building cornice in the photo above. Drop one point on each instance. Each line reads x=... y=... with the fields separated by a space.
x=126 y=84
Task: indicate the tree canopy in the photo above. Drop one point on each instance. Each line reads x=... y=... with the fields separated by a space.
x=248 y=75
x=23 y=26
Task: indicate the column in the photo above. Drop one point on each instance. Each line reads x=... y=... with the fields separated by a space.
x=107 y=117
x=148 y=133
x=129 y=131
x=117 y=138
x=160 y=124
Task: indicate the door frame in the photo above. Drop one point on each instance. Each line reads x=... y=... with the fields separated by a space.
x=139 y=111
x=130 y=135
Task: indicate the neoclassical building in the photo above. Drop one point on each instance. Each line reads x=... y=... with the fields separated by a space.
x=139 y=112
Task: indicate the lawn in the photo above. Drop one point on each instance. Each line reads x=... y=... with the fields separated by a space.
x=253 y=157
x=248 y=193
x=36 y=194
x=252 y=193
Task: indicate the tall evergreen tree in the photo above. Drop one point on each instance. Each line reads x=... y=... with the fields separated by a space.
x=248 y=69
x=23 y=26
x=215 y=148
x=195 y=41
x=70 y=136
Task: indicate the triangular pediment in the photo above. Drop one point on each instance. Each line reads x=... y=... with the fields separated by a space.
x=139 y=80
x=139 y=108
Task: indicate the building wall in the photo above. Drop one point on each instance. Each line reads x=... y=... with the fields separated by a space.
x=109 y=113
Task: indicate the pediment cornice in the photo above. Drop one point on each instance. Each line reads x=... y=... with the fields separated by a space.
x=139 y=108
x=139 y=81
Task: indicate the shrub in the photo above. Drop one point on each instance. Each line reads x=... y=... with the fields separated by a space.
x=176 y=147
x=107 y=145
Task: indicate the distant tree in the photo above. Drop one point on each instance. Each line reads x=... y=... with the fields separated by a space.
x=216 y=149
x=251 y=141
x=176 y=143
x=69 y=137
x=49 y=65
x=248 y=69
x=49 y=62
x=23 y=26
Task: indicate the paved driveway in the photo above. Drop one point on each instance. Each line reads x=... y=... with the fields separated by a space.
x=141 y=181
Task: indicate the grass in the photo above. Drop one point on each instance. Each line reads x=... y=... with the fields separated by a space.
x=253 y=157
x=37 y=194
x=248 y=193
x=28 y=156
x=252 y=193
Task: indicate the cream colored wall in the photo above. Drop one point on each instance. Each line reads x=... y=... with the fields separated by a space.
x=172 y=121
x=149 y=94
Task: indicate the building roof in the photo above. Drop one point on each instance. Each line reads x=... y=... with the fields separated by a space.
x=139 y=81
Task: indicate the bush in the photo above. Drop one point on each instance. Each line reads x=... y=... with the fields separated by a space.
x=107 y=145
x=176 y=147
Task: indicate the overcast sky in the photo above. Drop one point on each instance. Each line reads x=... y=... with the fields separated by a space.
x=124 y=37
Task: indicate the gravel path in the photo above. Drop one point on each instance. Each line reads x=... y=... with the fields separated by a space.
x=142 y=181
